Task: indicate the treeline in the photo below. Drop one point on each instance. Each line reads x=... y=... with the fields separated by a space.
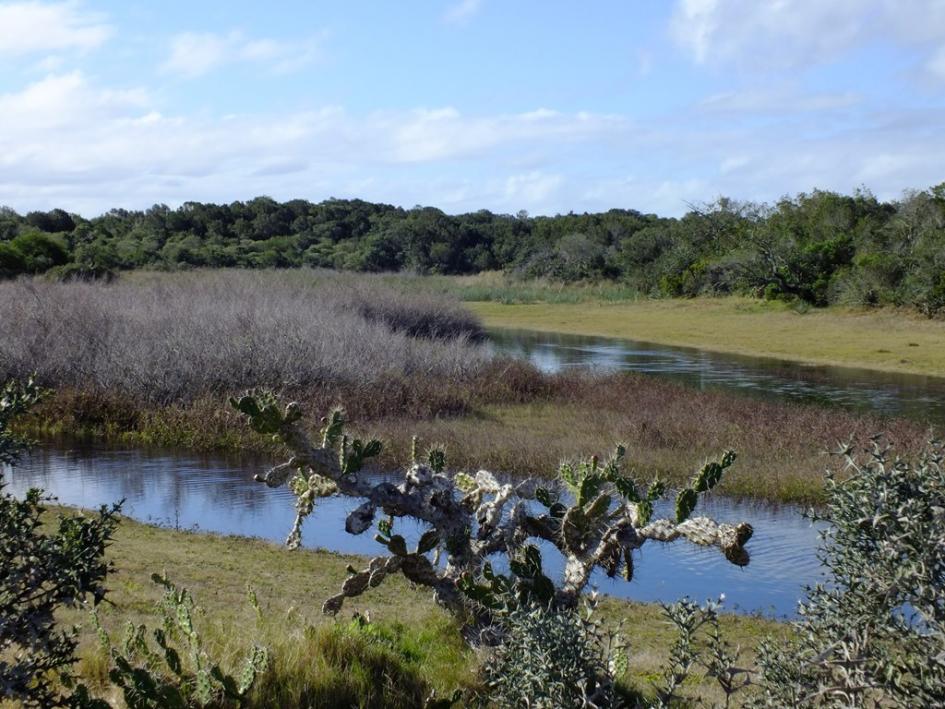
x=819 y=248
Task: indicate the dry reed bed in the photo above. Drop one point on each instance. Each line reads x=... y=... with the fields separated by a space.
x=669 y=429
x=173 y=338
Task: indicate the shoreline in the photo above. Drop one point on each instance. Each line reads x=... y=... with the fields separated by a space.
x=782 y=447
x=220 y=570
x=893 y=342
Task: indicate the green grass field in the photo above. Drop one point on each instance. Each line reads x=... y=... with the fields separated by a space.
x=317 y=660
x=887 y=340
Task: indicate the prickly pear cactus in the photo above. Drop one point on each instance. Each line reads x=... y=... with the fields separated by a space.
x=173 y=669
x=594 y=513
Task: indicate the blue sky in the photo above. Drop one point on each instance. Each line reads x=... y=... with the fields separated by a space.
x=547 y=106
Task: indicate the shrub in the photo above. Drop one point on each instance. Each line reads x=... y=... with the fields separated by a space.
x=40 y=573
x=552 y=658
x=874 y=633
x=15 y=399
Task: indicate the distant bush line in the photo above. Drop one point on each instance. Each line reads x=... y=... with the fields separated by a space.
x=820 y=248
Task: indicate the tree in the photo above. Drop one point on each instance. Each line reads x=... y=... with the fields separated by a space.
x=40 y=251
x=12 y=262
x=53 y=221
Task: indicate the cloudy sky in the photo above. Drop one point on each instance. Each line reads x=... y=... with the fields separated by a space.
x=545 y=105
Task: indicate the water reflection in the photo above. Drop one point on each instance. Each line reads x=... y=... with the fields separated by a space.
x=218 y=494
x=889 y=394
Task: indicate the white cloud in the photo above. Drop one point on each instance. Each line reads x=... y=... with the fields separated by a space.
x=49 y=64
x=32 y=27
x=534 y=188
x=734 y=163
x=462 y=11
x=194 y=54
x=787 y=34
x=935 y=65
x=659 y=196
x=69 y=142
x=778 y=101
x=445 y=134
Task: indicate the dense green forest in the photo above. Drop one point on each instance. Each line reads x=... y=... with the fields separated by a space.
x=820 y=248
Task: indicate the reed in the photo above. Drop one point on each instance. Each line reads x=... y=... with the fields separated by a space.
x=175 y=337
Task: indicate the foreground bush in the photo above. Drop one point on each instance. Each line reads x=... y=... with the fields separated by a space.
x=874 y=633
x=553 y=658
x=41 y=573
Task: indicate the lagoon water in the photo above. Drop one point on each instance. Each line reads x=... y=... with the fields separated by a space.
x=920 y=398
x=218 y=494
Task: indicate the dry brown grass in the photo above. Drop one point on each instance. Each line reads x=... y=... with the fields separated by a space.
x=173 y=338
x=669 y=430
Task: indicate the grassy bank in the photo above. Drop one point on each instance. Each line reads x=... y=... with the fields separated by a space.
x=885 y=340
x=317 y=660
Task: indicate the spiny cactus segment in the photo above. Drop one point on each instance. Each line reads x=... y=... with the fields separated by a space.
x=595 y=514
x=178 y=672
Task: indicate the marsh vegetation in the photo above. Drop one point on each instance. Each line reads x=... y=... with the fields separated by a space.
x=148 y=359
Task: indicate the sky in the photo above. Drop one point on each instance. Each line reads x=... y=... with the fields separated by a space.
x=549 y=106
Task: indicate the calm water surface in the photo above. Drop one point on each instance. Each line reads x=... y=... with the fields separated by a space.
x=888 y=394
x=218 y=494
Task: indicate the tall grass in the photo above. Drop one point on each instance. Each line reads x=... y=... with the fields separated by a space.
x=175 y=337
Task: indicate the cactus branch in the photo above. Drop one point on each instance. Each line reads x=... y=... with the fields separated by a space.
x=469 y=518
